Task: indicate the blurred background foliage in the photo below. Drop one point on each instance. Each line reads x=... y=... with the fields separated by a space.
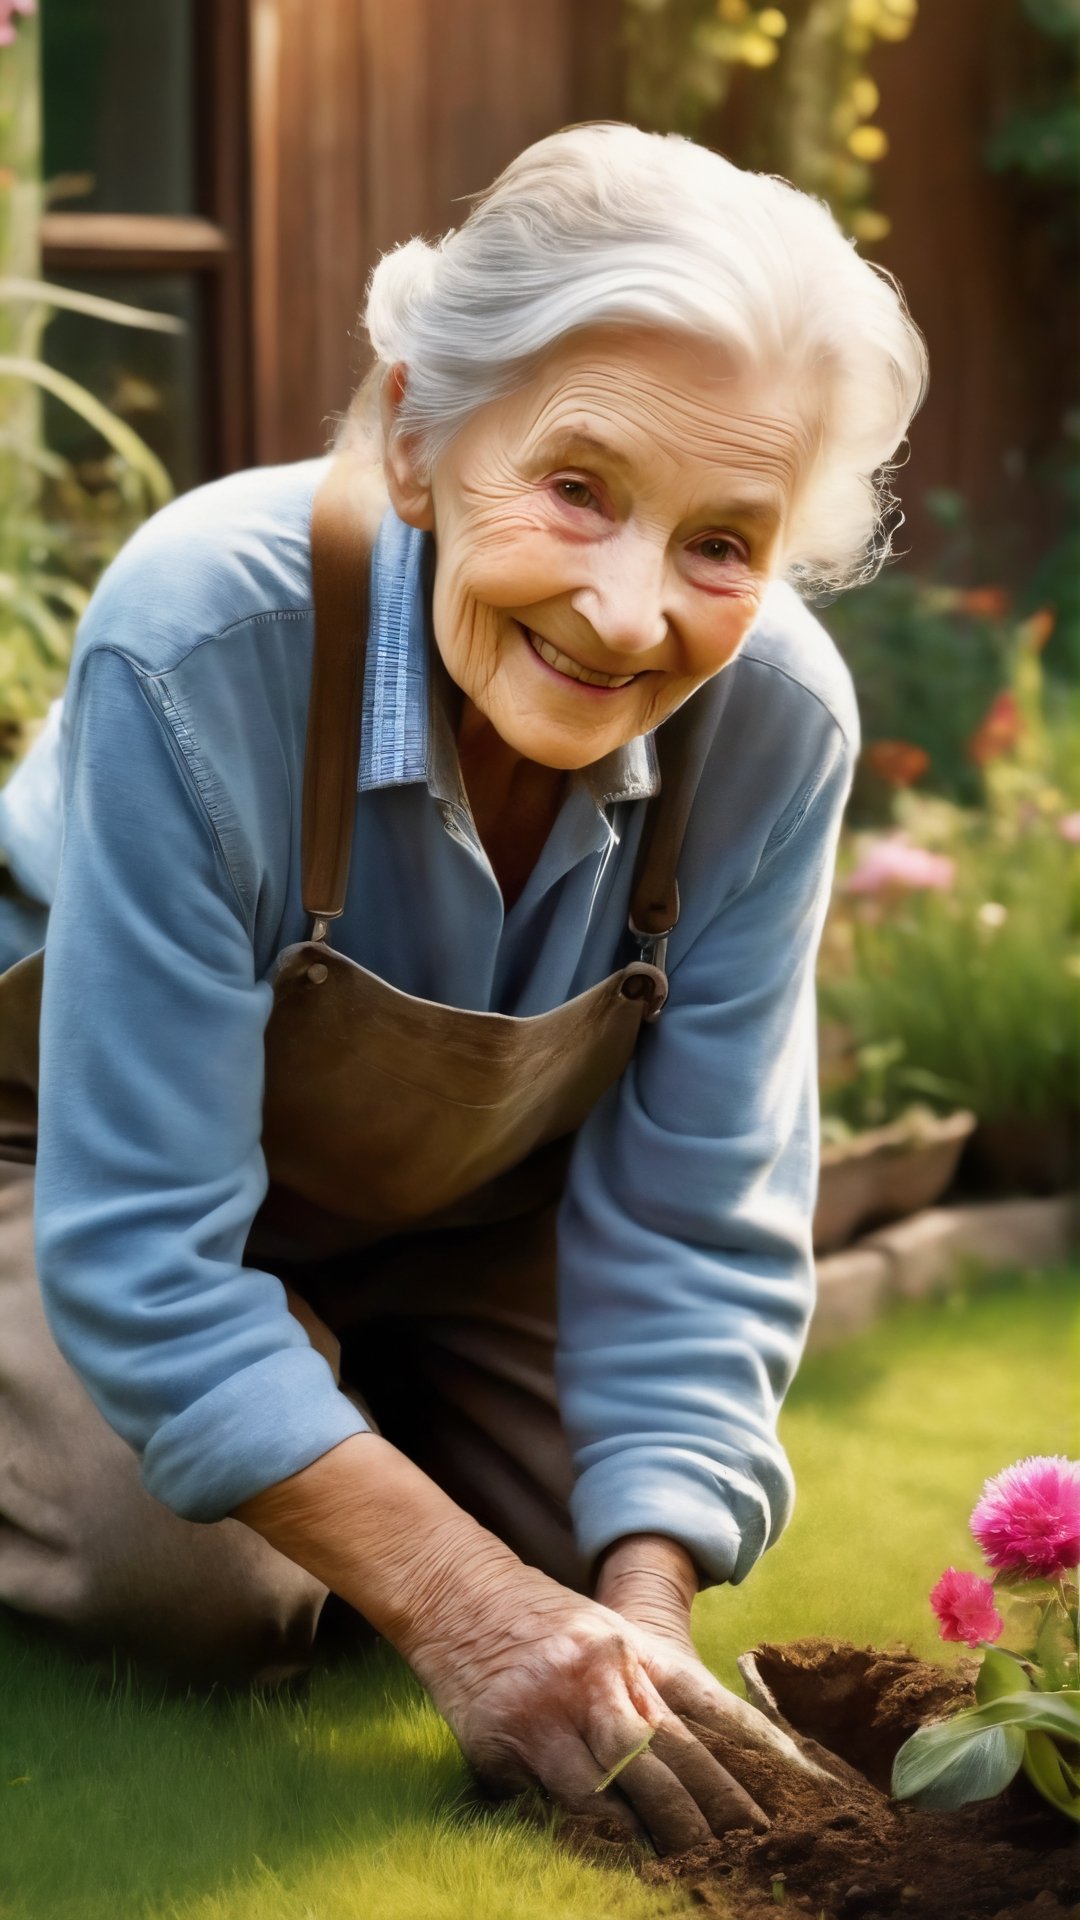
x=61 y=521
x=950 y=968
x=815 y=98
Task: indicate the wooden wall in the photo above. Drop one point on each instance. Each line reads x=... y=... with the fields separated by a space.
x=970 y=249
x=372 y=118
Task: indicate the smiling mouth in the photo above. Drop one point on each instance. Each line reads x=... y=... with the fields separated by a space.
x=571 y=669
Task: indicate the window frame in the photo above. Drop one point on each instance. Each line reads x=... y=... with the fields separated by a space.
x=215 y=244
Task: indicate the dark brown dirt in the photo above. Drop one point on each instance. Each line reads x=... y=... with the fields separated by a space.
x=841 y=1849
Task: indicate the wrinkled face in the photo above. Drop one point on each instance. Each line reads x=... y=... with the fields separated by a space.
x=604 y=537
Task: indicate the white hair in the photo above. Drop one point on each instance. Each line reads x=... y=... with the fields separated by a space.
x=604 y=224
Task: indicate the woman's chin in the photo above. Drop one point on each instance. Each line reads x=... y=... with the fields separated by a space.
x=564 y=749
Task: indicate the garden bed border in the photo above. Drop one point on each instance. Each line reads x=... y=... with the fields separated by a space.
x=920 y=1256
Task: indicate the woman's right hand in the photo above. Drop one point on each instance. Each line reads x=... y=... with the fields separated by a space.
x=541 y=1685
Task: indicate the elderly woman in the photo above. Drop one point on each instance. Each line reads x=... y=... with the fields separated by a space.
x=475 y=1304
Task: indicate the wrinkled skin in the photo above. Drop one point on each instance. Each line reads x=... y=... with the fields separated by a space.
x=543 y=1686
x=628 y=505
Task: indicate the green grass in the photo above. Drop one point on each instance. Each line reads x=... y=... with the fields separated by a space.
x=891 y=1437
x=352 y=1800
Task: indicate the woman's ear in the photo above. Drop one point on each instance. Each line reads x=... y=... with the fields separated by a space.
x=410 y=496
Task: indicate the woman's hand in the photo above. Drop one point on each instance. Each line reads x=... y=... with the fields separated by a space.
x=542 y=1685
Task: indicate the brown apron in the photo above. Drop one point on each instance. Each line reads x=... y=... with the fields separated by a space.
x=416 y=1155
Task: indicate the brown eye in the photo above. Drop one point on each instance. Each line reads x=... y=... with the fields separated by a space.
x=574 y=492
x=718 y=549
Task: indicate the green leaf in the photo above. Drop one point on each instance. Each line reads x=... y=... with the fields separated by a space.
x=53 y=586
x=91 y=303
x=952 y=1762
x=127 y=443
x=1000 y=1673
x=1051 y=1775
x=1055 y=1647
x=53 y=638
x=34 y=456
x=976 y=1764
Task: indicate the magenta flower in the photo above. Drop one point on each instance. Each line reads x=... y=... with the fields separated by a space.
x=1069 y=828
x=964 y=1604
x=895 y=863
x=1028 y=1518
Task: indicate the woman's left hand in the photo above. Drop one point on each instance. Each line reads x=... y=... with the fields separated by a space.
x=651 y=1581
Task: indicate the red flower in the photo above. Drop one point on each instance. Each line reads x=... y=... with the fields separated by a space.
x=964 y=1604
x=1037 y=628
x=998 y=733
x=989 y=603
x=899 y=762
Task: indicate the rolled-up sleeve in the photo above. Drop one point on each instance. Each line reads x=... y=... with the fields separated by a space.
x=686 y=1268
x=150 y=1168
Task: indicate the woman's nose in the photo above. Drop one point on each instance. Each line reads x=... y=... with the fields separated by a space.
x=624 y=598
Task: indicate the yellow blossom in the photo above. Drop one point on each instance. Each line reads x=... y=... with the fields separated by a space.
x=865 y=97
x=992 y=914
x=733 y=11
x=868 y=143
x=869 y=225
x=863 y=13
x=772 y=22
x=757 y=51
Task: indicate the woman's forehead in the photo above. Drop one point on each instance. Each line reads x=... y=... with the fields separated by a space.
x=653 y=409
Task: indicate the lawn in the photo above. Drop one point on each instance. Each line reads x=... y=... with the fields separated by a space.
x=352 y=1800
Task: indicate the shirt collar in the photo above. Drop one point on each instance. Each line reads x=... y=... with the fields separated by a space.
x=408 y=726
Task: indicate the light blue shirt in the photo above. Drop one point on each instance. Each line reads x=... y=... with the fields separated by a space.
x=170 y=852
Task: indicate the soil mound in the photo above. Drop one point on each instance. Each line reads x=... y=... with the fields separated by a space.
x=840 y=1849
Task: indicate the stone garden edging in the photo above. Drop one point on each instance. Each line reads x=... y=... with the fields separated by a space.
x=919 y=1256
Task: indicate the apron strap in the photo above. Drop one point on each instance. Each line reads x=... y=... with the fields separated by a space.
x=348 y=508
x=682 y=744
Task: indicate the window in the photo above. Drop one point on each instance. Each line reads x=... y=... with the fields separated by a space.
x=145 y=158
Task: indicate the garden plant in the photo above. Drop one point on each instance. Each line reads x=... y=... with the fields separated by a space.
x=950 y=969
x=60 y=523
x=1027 y=1711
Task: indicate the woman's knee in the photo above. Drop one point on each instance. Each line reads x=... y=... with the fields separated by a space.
x=217 y=1607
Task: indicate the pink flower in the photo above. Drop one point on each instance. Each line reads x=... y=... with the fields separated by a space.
x=1069 y=827
x=7 y=9
x=964 y=1604
x=895 y=863
x=1028 y=1519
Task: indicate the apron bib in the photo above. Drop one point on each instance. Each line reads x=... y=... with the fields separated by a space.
x=382 y=1111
